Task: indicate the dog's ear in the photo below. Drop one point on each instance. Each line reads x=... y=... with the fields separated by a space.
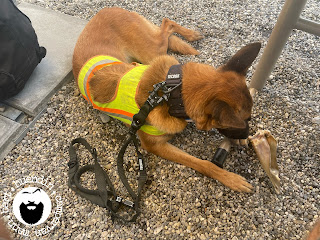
x=243 y=59
x=224 y=115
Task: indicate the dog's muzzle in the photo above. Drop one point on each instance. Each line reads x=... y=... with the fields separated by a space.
x=236 y=133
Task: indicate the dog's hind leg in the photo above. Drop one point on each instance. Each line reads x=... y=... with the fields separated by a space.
x=176 y=44
x=170 y=27
x=173 y=42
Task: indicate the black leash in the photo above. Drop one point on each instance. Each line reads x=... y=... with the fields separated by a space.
x=105 y=197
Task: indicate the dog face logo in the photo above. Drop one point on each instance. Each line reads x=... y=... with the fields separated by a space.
x=31 y=206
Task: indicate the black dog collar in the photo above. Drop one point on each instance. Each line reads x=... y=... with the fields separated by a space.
x=175 y=102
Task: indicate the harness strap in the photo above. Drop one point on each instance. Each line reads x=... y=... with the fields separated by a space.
x=175 y=101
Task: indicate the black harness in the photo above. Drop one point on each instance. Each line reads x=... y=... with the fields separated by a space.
x=105 y=195
x=175 y=102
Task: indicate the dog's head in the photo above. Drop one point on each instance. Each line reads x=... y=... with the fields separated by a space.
x=226 y=101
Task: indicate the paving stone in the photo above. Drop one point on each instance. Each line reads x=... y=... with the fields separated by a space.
x=12 y=132
x=2 y=108
x=8 y=131
x=58 y=33
x=10 y=112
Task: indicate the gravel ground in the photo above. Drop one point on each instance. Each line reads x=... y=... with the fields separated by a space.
x=179 y=203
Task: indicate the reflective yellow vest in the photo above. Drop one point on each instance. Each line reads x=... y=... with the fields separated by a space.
x=123 y=106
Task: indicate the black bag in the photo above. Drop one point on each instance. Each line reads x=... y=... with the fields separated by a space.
x=20 y=52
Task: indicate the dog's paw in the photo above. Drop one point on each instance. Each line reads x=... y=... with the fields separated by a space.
x=237 y=183
x=194 y=36
x=240 y=142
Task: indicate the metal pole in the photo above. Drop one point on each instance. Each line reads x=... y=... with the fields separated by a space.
x=308 y=26
x=287 y=20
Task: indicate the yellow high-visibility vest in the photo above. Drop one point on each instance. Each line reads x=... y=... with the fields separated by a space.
x=123 y=106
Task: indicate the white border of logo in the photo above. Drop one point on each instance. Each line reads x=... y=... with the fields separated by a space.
x=25 y=230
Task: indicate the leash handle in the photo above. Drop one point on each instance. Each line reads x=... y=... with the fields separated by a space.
x=102 y=195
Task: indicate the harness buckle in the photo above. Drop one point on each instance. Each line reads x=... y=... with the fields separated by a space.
x=135 y=126
x=125 y=202
x=154 y=99
x=119 y=199
x=128 y=203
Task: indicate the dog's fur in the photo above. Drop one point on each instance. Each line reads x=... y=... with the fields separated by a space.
x=315 y=232
x=213 y=98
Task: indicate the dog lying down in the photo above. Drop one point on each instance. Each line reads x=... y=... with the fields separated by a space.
x=103 y=64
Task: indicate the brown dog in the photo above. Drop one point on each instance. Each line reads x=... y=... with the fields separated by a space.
x=315 y=232
x=213 y=98
x=4 y=232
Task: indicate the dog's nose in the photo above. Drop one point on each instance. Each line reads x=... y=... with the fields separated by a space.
x=235 y=133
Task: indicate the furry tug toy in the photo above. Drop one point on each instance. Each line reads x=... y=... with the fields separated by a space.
x=265 y=146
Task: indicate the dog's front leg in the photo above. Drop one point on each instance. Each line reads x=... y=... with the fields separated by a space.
x=158 y=145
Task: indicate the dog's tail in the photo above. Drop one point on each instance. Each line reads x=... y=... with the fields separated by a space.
x=176 y=44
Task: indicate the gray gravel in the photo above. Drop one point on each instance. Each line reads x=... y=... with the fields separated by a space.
x=179 y=203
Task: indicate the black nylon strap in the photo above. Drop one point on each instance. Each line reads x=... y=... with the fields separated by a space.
x=175 y=101
x=142 y=171
x=75 y=174
x=101 y=196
